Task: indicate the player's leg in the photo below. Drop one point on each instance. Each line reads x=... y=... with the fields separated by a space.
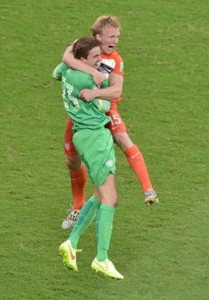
x=133 y=154
x=98 y=154
x=77 y=174
x=89 y=211
x=86 y=147
x=104 y=225
x=105 y=217
x=78 y=177
x=104 y=161
x=69 y=247
x=87 y=214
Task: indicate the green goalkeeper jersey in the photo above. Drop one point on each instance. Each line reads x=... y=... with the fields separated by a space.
x=85 y=115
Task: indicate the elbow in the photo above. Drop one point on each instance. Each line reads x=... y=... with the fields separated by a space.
x=64 y=59
x=118 y=93
x=66 y=55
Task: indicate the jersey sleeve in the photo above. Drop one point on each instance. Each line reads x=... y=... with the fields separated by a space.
x=119 y=64
x=105 y=84
x=57 y=73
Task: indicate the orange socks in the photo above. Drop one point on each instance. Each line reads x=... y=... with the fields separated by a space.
x=137 y=163
x=78 y=183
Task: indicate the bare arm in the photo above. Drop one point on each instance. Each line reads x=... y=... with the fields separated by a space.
x=69 y=59
x=110 y=93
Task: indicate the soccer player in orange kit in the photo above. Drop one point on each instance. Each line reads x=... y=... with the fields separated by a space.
x=107 y=30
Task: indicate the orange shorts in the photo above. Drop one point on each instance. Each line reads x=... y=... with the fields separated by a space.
x=115 y=126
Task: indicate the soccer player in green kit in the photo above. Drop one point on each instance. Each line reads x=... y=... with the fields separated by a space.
x=94 y=144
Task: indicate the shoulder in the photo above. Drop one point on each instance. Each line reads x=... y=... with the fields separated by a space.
x=114 y=61
x=116 y=55
x=79 y=74
x=81 y=79
x=63 y=68
x=112 y=56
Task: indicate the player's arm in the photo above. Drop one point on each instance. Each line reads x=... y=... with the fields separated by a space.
x=69 y=59
x=110 y=93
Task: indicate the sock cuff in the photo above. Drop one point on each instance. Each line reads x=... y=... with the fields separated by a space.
x=132 y=151
x=94 y=200
x=107 y=207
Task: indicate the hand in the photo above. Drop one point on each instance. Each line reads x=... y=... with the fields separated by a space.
x=87 y=94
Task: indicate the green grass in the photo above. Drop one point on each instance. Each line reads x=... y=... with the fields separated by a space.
x=163 y=251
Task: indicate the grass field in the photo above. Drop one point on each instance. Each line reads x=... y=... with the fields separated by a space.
x=161 y=251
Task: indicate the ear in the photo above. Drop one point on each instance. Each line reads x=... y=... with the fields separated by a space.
x=98 y=37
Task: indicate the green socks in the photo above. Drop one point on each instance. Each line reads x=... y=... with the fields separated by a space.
x=104 y=230
x=86 y=216
x=104 y=225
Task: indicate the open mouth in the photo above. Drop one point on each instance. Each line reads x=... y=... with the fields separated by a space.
x=110 y=48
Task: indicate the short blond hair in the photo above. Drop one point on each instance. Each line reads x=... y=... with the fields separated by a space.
x=104 y=22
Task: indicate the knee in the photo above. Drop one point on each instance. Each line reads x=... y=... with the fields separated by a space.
x=109 y=199
x=73 y=163
x=115 y=199
x=123 y=140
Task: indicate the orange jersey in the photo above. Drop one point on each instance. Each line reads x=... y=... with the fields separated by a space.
x=113 y=62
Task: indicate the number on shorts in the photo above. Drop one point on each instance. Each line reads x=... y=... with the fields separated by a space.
x=115 y=119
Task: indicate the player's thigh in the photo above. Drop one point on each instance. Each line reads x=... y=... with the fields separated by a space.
x=69 y=147
x=117 y=124
x=107 y=191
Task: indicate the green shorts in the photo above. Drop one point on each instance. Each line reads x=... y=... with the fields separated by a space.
x=96 y=150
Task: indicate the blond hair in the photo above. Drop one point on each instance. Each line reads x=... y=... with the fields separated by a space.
x=104 y=22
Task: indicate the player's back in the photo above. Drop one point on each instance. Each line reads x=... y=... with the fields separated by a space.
x=84 y=114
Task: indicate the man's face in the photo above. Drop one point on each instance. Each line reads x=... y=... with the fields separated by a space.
x=94 y=57
x=109 y=39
